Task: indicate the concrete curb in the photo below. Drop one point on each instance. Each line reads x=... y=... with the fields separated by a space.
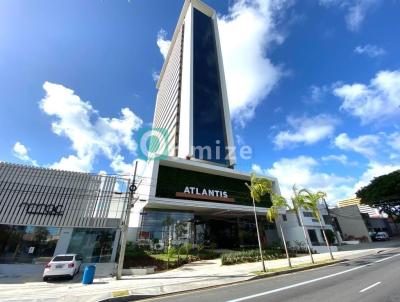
x=294 y=270
x=127 y=298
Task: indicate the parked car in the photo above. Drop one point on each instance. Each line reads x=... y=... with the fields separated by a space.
x=66 y=265
x=381 y=236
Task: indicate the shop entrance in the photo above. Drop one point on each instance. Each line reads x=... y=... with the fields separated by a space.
x=225 y=232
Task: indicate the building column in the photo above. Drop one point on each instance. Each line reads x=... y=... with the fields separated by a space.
x=63 y=242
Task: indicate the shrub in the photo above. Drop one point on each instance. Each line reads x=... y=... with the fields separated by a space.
x=250 y=256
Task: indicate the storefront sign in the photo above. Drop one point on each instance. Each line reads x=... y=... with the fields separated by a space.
x=205 y=194
x=42 y=208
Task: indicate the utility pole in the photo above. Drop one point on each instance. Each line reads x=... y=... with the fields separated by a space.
x=125 y=223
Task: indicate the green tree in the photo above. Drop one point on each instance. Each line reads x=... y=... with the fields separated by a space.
x=383 y=192
x=187 y=248
x=258 y=188
x=278 y=202
x=312 y=203
x=170 y=253
x=299 y=203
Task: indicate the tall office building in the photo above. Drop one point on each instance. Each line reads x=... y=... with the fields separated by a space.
x=193 y=194
x=192 y=104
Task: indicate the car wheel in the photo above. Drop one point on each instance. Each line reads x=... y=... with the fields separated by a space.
x=45 y=279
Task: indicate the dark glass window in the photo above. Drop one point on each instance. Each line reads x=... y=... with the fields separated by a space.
x=62 y=258
x=313 y=237
x=95 y=245
x=157 y=227
x=208 y=118
x=284 y=217
x=27 y=244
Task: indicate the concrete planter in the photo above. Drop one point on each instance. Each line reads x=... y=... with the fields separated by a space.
x=138 y=271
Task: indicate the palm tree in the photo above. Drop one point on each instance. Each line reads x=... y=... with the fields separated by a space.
x=278 y=202
x=299 y=202
x=313 y=200
x=258 y=188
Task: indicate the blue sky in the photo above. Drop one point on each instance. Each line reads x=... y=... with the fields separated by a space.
x=313 y=86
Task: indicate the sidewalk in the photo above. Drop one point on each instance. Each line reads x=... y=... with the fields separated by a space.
x=190 y=276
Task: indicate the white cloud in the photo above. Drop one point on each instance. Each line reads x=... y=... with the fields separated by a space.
x=370 y=50
x=317 y=94
x=364 y=144
x=21 y=152
x=303 y=172
x=339 y=158
x=356 y=10
x=246 y=33
x=91 y=135
x=378 y=101
x=374 y=169
x=156 y=76
x=307 y=130
x=163 y=43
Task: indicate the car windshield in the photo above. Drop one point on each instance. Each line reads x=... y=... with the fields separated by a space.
x=63 y=258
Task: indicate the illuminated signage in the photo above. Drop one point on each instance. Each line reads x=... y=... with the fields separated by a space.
x=204 y=194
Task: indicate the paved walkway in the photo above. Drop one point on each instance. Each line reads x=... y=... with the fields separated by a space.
x=191 y=276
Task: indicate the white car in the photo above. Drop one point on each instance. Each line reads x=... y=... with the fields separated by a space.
x=67 y=265
x=381 y=236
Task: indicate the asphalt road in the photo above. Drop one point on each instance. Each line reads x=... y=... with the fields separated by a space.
x=374 y=278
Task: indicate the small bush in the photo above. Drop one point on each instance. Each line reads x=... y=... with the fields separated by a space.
x=250 y=256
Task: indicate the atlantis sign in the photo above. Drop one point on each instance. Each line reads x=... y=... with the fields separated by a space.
x=204 y=194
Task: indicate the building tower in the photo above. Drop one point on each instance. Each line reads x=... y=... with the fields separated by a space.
x=192 y=104
x=193 y=194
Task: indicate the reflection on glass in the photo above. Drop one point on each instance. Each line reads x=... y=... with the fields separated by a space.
x=27 y=244
x=95 y=245
x=158 y=227
x=208 y=118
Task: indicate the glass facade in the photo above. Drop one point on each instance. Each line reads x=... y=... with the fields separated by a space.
x=95 y=245
x=159 y=227
x=208 y=118
x=27 y=244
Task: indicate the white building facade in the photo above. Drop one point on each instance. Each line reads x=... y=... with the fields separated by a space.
x=192 y=193
x=45 y=212
x=294 y=233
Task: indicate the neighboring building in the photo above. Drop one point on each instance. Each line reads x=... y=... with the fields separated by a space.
x=350 y=223
x=193 y=194
x=357 y=221
x=382 y=225
x=365 y=209
x=44 y=212
x=294 y=234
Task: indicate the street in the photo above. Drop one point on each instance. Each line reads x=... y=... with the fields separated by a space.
x=369 y=279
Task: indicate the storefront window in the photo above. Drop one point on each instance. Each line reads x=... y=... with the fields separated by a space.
x=95 y=245
x=158 y=227
x=27 y=244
